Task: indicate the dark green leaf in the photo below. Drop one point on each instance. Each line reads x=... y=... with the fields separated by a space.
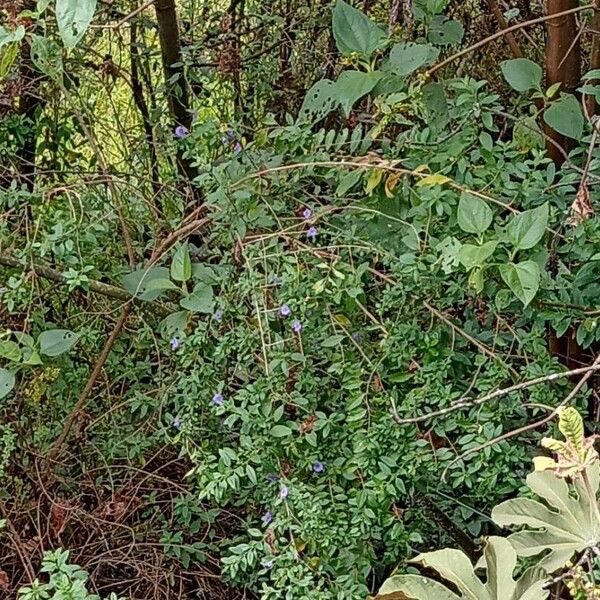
x=522 y=74
x=354 y=31
x=566 y=117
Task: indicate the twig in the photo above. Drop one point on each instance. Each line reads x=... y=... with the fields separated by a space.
x=466 y=403
x=510 y=38
x=528 y=427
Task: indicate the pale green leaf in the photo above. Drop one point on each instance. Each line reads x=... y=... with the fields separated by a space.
x=280 y=431
x=74 y=18
x=408 y=57
x=137 y=282
x=522 y=278
x=200 y=300
x=474 y=215
x=522 y=74
x=57 y=341
x=471 y=256
x=7 y=382
x=444 y=31
x=181 y=265
x=10 y=351
x=526 y=229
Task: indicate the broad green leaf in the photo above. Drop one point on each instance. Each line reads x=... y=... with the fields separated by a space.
x=522 y=278
x=280 y=431
x=353 y=85
x=472 y=256
x=200 y=300
x=137 y=282
x=7 y=37
x=10 y=351
x=45 y=55
x=57 y=341
x=499 y=561
x=435 y=102
x=175 y=323
x=566 y=117
x=319 y=101
x=445 y=31
x=73 y=18
x=474 y=215
x=354 y=31
x=433 y=180
x=562 y=524
x=181 y=265
x=333 y=340
x=408 y=57
x=522 y=74
x=526 y=229
x=7 y=382
x=161 y=285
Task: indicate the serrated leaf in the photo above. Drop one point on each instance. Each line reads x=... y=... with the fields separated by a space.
x=471 y=256
x=522 y=278
x=564 y=522
x=55 y=342
x=566 y=117
x=200 y=300
x=353 y=85
x=181 y=265
x=474 y=215
x=522 y=74
x=499 y=561
x=526 y=229
x=406 y=58
x=7 y=382
x=74 y=18
x=354 y=31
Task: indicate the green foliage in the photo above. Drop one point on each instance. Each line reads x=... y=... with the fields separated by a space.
x=566 y=116
x=354 y=32
x=73 y=18
x=522 y=74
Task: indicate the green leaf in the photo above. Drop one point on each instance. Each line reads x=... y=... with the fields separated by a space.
x=566 y=117
x=280 y=431
x=408 y=57
x=435 y=102
x=7 y=37
x=181 y=265
x=445 y=31
x=73 y=18
x=522 y=74
x=352 y=85
x=526 y=229
x=161 y=285
x=474 y=215
x=137 y=282
x=57 y=341
x=354 y=31
x=522 y=278
x=175 y=323
x=10 y=351
x=333 y=340
x=564 y=525
x=200 y=300
x=45 y=55
x=472 y=256
x=499 y=561
x=7 y=382
x=319 y=101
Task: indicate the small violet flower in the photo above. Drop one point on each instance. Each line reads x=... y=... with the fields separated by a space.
x=175 y=343
x=181 y=131
x=237 y=148
x=218 y=315
x=283 y=492
x=267 y=518
x=285 y=310
x=306 y=214
x=217 y=399
x=176 y=422
x=311 y=234
x=357 y=336
x=318 y=466
x=297 y=326
x=268 y=564
x=272 y=478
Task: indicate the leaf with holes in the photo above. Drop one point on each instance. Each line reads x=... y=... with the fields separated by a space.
x=319 y=101
x=406 y=58
x=73 y=18
x=522 y=278
x=499 y=561
x=564 y=522
x=522 y=74
x=354 y=31
x=353 y=85
x=55 y=342
x=7 y=382
x=444 y=31
x=566 y=117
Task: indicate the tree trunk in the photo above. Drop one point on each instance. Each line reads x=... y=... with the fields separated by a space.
x=563 y=64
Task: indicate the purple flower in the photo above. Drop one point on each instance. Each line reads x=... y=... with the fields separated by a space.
x=218 y=315
x=175 y=343
x=237 y=148
x=181 y=131
x=357 y=336
x=268 y=564
x=297 y=326
x=311 y=234
x=318 y=466
x=283 y=492
x=272 y=478
x=176 y=422
x=267 y=518
x=284 y=310
x=217 y=399
x=306 y=214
